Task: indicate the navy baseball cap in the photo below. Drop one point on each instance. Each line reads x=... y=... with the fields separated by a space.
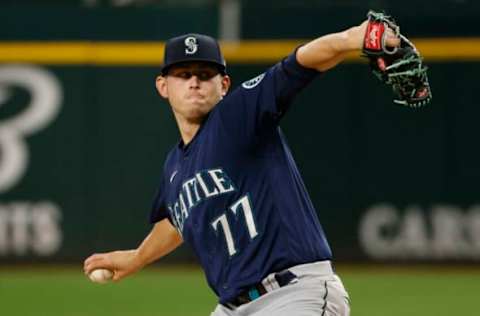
x=193 y=47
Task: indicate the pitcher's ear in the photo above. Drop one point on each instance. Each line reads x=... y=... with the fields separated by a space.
x=226 y=83
x=161 y=85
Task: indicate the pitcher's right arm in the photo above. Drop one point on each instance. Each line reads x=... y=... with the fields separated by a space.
x=163 y=239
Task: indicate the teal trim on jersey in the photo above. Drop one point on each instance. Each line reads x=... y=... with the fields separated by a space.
x=253 y=294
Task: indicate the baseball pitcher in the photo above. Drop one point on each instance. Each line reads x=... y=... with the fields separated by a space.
x=230 y=186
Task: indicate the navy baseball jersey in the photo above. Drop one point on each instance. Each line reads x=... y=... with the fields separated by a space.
x=234 y=192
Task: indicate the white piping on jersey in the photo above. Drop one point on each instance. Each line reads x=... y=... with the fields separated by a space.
x=173 y=175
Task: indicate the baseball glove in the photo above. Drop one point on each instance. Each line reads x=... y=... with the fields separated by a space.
x=400 y=67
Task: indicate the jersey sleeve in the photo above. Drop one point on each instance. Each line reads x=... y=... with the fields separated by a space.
x=261 y=102
x=289 y=78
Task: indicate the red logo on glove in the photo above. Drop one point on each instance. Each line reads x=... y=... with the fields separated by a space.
x=373 y=36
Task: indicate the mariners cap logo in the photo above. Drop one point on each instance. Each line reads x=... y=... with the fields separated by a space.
x=191 y=45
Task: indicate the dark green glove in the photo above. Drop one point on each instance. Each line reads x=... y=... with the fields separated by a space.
x=401 y=67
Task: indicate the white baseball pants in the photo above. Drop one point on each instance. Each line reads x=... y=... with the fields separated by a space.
x=318 y=292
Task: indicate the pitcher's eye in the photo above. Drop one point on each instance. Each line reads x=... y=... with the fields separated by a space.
x=205 y=75
x=201 y=74
x=184 y=74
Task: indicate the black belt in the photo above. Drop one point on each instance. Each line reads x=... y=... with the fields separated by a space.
x=283 y=278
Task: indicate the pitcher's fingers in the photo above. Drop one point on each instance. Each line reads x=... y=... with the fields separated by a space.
x=392 y=40
x=93 y=257
x=94 y=262
x=93 y=266
x=89 y=261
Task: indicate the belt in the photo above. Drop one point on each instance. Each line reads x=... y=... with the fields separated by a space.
x=270 y=283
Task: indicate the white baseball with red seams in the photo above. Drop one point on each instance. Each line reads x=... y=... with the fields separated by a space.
x=101 y=276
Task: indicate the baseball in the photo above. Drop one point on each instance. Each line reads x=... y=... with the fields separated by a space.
x=100 y=276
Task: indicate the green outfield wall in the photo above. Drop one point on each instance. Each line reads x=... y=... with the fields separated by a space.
x=62 y=20
x=83 y=136
x=82 y=150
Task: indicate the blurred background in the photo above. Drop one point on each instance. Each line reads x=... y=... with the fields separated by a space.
x=83 y=137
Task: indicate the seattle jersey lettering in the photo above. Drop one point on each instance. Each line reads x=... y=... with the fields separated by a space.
x=204 y=185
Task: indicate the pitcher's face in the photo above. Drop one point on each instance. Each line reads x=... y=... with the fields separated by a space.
x=193 y=89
